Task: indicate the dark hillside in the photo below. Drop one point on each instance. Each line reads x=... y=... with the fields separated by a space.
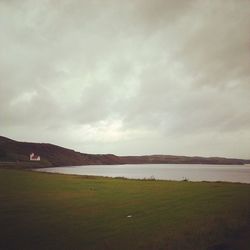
x=51 y=155
x=17 y=153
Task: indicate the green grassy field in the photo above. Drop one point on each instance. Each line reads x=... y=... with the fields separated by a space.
x=52 y=211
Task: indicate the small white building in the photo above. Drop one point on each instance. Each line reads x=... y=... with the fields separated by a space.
x=34 y=157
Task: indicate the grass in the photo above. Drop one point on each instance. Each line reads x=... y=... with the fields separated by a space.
x=52 y=211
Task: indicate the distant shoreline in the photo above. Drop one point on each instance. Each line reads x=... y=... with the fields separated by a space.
x=17 y=154
x=36 y=165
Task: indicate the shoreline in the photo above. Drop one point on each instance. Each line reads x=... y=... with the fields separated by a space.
x=152 y=178
x=43 y=169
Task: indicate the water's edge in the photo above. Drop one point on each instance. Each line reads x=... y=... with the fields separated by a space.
x=168 y=172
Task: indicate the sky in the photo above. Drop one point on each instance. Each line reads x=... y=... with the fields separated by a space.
x=127 y=77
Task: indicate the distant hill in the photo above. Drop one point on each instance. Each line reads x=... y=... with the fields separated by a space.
x=17 y=153
x=51 y=155
x=172 y=159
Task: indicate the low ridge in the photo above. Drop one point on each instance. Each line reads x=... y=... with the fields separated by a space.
x=18 y=154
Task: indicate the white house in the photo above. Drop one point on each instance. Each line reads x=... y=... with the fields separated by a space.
x=34 y=157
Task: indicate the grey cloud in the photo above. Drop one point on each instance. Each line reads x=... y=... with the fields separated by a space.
x=166 y=76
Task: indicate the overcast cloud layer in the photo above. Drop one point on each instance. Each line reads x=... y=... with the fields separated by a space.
x=127 y=77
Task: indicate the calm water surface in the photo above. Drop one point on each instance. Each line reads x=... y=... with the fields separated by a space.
x=192 y=172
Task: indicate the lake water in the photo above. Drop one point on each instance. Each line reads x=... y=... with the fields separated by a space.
x=192 y=172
